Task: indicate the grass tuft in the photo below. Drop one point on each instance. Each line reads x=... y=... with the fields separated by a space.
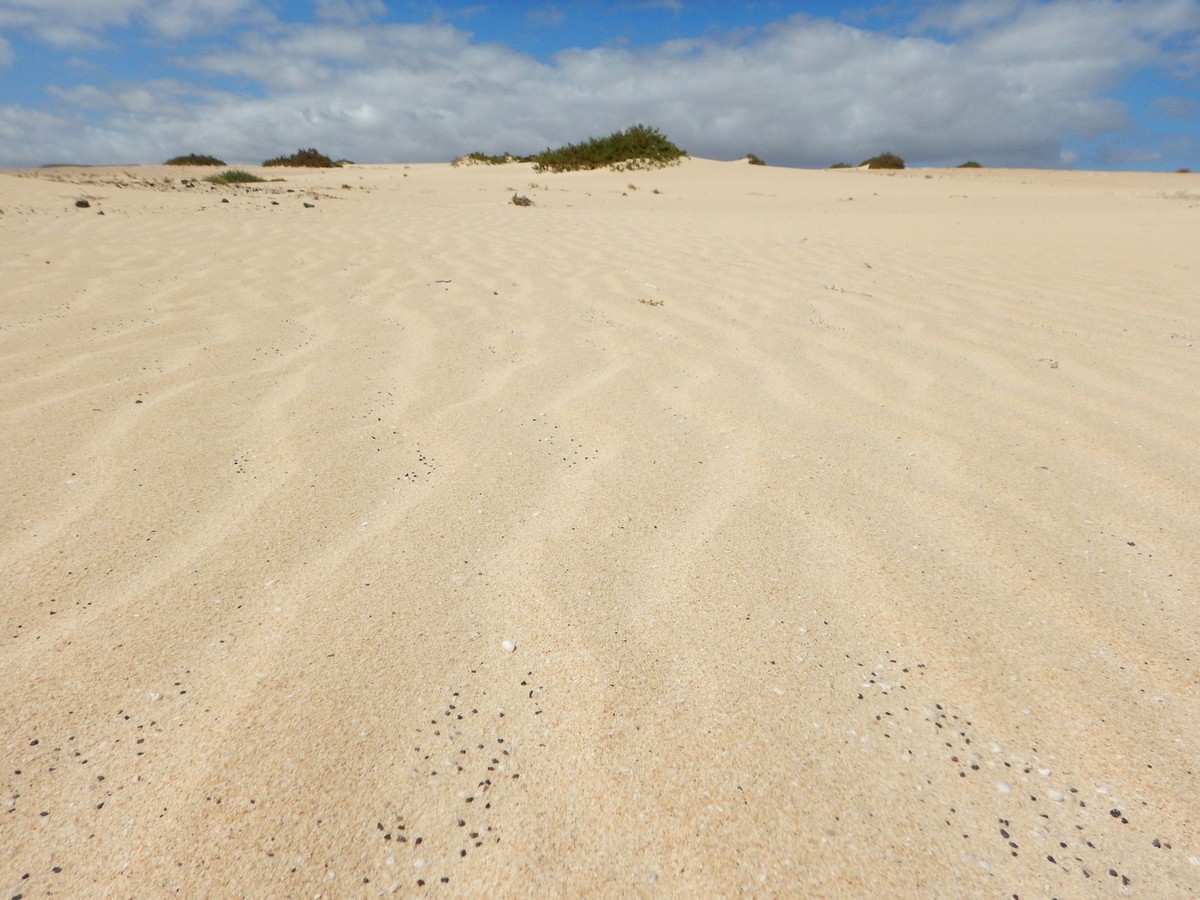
x=485 y=159
x=194 y=159
x=755 y=160
x=234 y=176
x=887 y=160
x=637 y=147
x=309 y=159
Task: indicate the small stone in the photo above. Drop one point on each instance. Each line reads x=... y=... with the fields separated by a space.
x=308 y=205
x=507 y=646
x=521 y=200
x=82 y=204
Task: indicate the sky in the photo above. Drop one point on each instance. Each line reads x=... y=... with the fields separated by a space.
x=1082 y=84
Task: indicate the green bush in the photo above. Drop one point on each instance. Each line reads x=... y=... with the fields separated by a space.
x=487 y=159
x=309 y=159
x=234 y=176
x=637 y=147
x=841 y=165
x=887 y=160
x=970 y=164
x=194 y=159
x=755 y=160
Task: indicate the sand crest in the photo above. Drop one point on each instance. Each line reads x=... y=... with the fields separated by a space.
x=709 y=530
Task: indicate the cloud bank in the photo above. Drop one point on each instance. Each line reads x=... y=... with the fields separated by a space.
x=1004 y=82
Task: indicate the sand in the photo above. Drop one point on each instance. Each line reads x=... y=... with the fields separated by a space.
x=701 y=531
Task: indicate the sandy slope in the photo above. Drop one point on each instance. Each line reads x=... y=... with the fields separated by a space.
x=845 y=525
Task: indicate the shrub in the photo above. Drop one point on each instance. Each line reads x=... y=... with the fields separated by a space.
x=755 y=160
x=194 y=159
x=1183 y=171
x=486 y=159
x=637 y=147
x=841 y=165
x=887 y=160
x=970 y=164
x=309 y=159
x=233 y=176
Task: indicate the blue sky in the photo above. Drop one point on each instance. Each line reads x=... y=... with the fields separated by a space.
x=1056 y=83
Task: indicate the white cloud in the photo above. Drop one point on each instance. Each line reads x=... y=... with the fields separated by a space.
x=160 y=98
x=1017 y=77
x=6 y=54
x=350 y=12
x=32 y=137
x=81 y=23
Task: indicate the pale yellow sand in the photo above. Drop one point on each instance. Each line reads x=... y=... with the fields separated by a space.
x=845 y=525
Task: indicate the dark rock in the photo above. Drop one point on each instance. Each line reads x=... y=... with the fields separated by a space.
x=521 y=200
x=309 y=205
x=224 y=199
x=82 y=204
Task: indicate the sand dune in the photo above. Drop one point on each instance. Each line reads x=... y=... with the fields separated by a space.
x=844 y=525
